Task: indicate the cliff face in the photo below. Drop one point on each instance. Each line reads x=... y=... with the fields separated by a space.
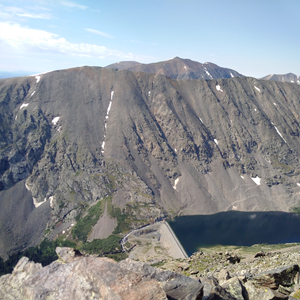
x=165 y=146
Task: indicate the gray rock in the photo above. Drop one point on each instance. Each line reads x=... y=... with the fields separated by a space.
x=85 y=278
x=66 y=254
x=223 y=276
x=175 y=285
x=272 y=279
x=213 y=291
x=11 y=284
x=235 y=287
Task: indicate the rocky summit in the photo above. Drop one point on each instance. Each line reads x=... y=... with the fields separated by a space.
x=130 y=147
x=74 y=276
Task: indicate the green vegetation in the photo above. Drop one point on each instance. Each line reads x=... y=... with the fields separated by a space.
x=104 y=246
x=122 y=219
x=83 y=227
x=247 y=250
x=287 y=169
x=296 y=295
x=43 y=253
x=117 y=256
x=296 y=209
x=109 y=247
x=159 y=263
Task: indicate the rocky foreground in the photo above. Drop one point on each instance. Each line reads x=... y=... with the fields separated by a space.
x=75 y=276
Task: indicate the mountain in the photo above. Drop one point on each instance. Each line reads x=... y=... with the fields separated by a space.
x=179 y=68
x=148 y=146
x=290 y=77
x=4 y=74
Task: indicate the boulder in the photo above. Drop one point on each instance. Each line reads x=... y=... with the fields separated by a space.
x=67 y=254
x=223 y=276
x=235 y=287
x=213 y=291
x=175 y=285
x=272 y=279
x=83 y=278
x=259 y=293
x=260 y=254
x=11 y=284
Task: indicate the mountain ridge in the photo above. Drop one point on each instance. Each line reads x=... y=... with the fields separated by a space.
x=289 y=77
x=179 y=68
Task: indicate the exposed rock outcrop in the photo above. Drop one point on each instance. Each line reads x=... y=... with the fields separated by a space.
x=77 y=277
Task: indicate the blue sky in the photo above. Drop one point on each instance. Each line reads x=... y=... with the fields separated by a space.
x=253 y=37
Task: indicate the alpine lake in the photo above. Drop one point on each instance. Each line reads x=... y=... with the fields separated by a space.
x=236 y=228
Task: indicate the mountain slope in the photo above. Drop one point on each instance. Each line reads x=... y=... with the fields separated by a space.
x=154 y=144
x=179 y=68
x=290 y=77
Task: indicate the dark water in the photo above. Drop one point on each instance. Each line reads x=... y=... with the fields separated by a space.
x=236 y=228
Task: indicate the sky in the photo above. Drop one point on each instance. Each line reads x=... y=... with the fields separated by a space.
x=253 y=37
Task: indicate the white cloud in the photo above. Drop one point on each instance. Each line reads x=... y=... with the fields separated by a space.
x=98 y=32
x=35 y=16
x=13 y=12
x=73 y=4
x=27 y=39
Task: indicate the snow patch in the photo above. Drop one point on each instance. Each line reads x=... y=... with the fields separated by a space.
x=231 y=75
x=216 y=141
x=274 y=103
x=175 y=150
x=257 y=88
x=109 y=107
x=51 y=201
x=175 y=184
x=200 y=120
x=185 y=67
x=219 y=88
x=252 y=217
x=208 y=73
x=298 y=184
x=242 y=177
x=37 y=204
x=292 y=81
x=27 y=186
x=59 y=129
x=38 y=78
x=103 y=145
x=149 y=93
x=279 y=132
x=254 y=109
x=55 y=120
x=32 y=93
x=111 y=95
x=24 y=105
x=256 y=180
x=16 y=117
